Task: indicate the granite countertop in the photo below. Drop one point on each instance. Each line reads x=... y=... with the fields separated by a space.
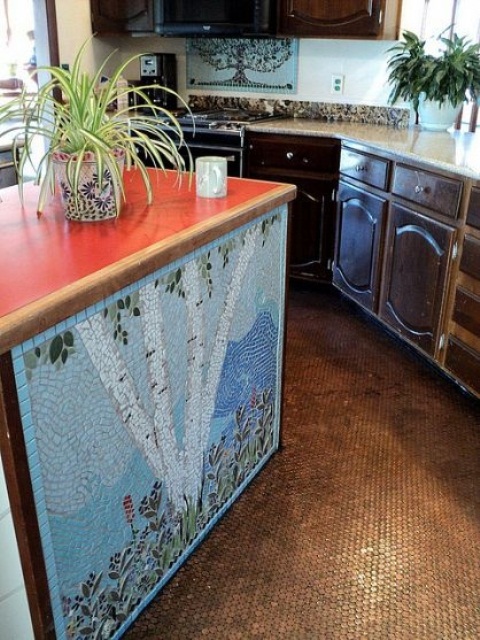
x=455 y=151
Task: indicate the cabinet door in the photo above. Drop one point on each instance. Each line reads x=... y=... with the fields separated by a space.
x=312 y=229
x=122 y=15
x=418 y=252
x=360 y=230
x=340 y=17
x=312 y=165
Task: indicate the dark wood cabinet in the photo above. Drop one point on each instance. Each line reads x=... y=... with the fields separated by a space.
x=438 y=193
x=117 y=16
x=463 y=349
x=350 y=18
x=415 y=280
x=359 y=243
x=312 y=165
x=361 y=219
x=395 y=243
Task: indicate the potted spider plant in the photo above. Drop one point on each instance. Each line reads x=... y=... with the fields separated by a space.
x=436 y=85
x=88 y=144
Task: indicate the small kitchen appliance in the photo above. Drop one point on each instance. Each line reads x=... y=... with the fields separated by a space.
x=159 y=69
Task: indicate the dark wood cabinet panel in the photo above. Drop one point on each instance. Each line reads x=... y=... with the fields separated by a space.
x=365 y=168
x=470 y=262
x=359 y=244
x=463 y=353
x=466 y=312
x=312 y=235
x=113 y=16
x=351 y=18
x=473 y=212
x=297 y=155
x=312 y=165
x=464 y=363
x=435 y=192
x=417 y=263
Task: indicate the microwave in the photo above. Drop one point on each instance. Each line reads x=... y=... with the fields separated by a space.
x=215 y=17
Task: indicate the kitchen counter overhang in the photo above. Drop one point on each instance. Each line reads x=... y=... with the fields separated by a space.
x=50 y=266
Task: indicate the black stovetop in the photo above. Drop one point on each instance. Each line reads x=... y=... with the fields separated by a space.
x=219 y=118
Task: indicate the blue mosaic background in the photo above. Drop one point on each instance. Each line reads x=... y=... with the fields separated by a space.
x=112 y=529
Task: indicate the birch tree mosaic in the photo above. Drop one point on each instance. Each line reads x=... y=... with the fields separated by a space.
x=162 y=404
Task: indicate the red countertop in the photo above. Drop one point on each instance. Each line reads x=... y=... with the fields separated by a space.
x=51 y=267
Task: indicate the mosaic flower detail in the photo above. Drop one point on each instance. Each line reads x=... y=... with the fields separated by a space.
x=128 y=509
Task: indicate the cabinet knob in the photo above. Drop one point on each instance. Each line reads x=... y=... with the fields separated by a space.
x=419 y=189
x=360 y=167
x=305 y=160
x=289 y=155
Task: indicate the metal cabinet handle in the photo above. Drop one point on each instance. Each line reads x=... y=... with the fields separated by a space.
x=419 y=189
x=289 y=155
x=360 y=167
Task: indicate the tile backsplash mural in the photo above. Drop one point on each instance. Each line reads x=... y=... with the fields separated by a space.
x=145 y=416
x=262 y=65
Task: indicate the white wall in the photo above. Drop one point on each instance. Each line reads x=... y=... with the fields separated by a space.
x=363 y=63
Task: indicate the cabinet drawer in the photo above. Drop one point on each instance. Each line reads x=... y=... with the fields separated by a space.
x=464 y=362
x=473 y=212
x=466 y=312
x=291 y=153
x=365 y=168
x=438 y=193
x=470 y=262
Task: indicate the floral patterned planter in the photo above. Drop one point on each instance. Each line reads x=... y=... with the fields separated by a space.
x=95 y=199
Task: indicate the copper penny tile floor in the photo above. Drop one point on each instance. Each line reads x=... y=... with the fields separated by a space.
x=366 y=525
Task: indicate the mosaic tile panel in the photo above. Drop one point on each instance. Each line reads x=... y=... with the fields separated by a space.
x=263 y=65
x=325 y=111
x=145 y=416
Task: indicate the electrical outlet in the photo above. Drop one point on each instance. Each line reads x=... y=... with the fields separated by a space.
x=337 y=83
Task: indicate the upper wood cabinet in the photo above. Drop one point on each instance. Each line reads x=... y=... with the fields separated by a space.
x=116 y=16
x=339 y=18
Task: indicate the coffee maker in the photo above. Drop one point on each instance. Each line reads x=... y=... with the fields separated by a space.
x=159 y=69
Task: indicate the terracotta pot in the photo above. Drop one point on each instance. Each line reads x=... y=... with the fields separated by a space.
x=95 y=199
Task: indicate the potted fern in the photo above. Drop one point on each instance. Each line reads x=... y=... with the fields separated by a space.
x=88 y=144
x=436 y=85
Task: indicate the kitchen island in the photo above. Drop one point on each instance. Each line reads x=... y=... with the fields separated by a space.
x=140 y=370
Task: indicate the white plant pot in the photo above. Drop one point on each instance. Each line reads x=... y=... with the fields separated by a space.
x=434 y=116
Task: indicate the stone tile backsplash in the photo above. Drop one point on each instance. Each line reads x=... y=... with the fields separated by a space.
x=326 y=111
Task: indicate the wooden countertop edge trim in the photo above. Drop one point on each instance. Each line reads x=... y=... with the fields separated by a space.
x=41 y=314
